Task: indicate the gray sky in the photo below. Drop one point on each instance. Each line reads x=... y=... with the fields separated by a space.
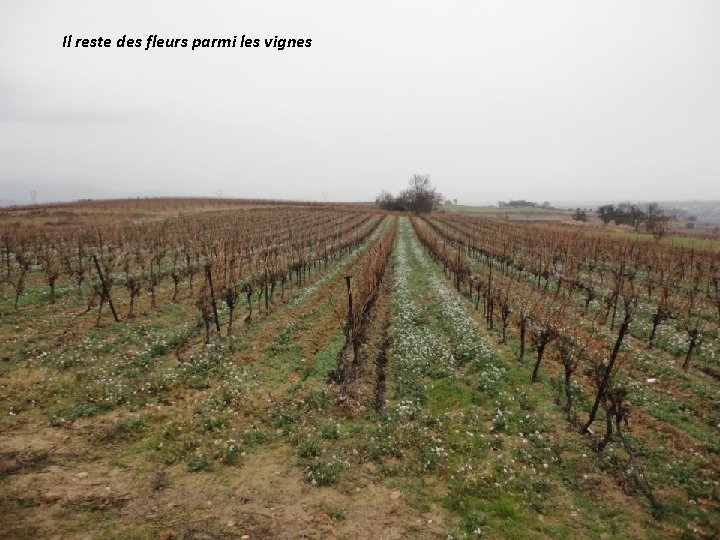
x=555 y=100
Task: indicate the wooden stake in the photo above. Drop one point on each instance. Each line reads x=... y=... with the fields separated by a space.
x=106 y=291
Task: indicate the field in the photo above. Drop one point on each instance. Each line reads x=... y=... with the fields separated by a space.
x=705 y=234
x=527 y=213
x=245 y=369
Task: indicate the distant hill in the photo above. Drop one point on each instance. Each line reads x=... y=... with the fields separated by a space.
x=20 y=192
x=703 y=210
x=17 y=193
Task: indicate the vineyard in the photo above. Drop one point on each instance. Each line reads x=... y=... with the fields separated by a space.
x=204 y=369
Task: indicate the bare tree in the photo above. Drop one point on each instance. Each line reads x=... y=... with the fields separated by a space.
x=658 y=222
x=421 y=196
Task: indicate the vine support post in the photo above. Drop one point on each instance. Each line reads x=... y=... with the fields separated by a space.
x=106 y=291
x=208 y=274
x=350 y=306
x=267 y=278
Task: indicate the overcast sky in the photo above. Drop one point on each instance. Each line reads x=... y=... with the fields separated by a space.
x=553 y=100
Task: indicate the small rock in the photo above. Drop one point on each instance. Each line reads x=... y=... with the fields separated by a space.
x=50 y=497
x=82 y=475
x=652 y=380
x=167 y=534
x=395 y=495
x=245 y=536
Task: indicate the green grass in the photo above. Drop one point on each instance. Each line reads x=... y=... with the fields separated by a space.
x=325 y=362
x=510 y=210
x=446 y=395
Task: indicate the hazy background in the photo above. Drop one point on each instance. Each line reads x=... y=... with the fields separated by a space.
x=556 y=100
